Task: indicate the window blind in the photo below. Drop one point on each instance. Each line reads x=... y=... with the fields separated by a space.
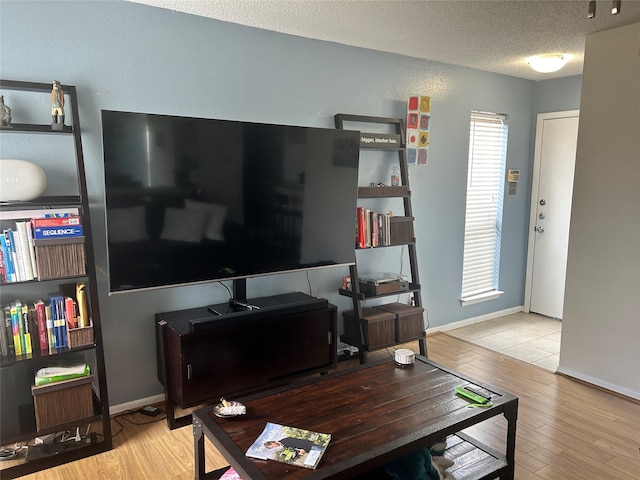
x=485 y=195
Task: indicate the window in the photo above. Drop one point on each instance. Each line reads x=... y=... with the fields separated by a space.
x=483 y=217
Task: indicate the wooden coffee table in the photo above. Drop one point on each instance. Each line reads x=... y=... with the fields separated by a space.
x=375 y=413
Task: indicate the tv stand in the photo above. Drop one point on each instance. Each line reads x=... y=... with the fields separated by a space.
x=203 y=356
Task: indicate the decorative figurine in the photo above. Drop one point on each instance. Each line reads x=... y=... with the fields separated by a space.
x=57 y=106
x=5 y=114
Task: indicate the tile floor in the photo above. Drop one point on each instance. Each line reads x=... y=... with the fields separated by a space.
x=527 y=336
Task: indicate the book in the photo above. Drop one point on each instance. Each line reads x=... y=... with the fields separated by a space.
x=83 y=307
x=230 y=474
x=59 y=321
x=4 y=336
x=51 y=337
x=8 y=329
x=56 y=221
x=27 y=345
x=38 y=213
x=42 y=233
x=16 y=254
x=32 y=250
x=22 y=243
x=9 y=268
x=15 y=328
x=41 y=318
x=290 y=445
x=70 y=312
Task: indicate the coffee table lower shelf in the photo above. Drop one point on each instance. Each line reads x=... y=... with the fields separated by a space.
x=472 y=461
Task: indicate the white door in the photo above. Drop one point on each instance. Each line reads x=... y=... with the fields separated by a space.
x=551 y=193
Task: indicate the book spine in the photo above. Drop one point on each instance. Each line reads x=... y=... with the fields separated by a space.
x=70 y=312
x=9 y=269
x=56 y=221
x=42 y=325
x=11 y=349
x=83 y=305
x=60 y=323
x=16 y=255
x=15 y=329
x=360 y=231
x=40 y=233
x=32 y=250
x=37 y=213
x=51 y=337
x=23 y=243
x=4 y=337
x=26 y=342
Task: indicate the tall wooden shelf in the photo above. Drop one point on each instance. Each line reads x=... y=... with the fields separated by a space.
x=359 y=329
x=17 y=372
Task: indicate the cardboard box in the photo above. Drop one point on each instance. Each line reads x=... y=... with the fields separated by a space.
x=378 y=327
x=409 y=323
x=63 y=402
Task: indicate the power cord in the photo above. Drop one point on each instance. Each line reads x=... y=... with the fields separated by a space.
x=124 y=416
x=11 y=453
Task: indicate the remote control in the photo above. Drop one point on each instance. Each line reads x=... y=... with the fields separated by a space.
x=242 y=305
x=481 y=392
x=469 y=394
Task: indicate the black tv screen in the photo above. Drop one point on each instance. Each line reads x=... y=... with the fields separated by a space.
x=192 y=200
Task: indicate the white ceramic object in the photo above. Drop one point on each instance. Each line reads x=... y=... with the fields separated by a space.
x=404 y=356
x=21 y=180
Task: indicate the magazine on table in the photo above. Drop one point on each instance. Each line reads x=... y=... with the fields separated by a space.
x=290 y=445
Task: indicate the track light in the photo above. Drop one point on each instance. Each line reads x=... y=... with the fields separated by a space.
x=615 y=7
x=592 y=9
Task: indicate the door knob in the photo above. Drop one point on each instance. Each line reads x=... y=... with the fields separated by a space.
x=539 y=229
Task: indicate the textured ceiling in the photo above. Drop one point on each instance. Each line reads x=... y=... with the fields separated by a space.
x=491 y=35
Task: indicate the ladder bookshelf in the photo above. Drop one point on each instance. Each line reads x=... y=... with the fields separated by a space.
x=385 y=325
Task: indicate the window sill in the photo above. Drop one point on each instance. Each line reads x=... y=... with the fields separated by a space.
x=483 y=297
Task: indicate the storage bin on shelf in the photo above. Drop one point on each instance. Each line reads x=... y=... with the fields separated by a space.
x=378 y=327
x=401 y=230
x=60 y=257
x=62 y=402
x=409 y=323
x=78 y=337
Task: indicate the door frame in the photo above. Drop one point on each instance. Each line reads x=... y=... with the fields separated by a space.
x=535 y=185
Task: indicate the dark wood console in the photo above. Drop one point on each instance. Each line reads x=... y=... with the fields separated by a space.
x=203 y=355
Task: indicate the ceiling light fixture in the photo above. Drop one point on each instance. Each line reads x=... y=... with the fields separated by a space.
x=548 y=63
x=615 y=7
x=592 y=9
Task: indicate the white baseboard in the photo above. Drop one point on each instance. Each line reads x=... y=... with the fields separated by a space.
x=136 y=404
x=472 y=320
x=598 y=382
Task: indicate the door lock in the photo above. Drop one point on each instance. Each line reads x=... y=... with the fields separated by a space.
x=541 y=216
x=543 y=202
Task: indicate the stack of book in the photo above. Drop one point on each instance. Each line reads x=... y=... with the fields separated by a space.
x=373 y=229
x=41 y=244
x=60 y=322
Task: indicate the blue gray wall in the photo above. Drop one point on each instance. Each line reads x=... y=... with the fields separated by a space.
x=124 y=56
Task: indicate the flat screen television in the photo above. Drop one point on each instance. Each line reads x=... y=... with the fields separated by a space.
x=193 y=200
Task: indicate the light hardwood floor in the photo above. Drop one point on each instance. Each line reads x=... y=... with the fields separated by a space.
x=566 y=430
